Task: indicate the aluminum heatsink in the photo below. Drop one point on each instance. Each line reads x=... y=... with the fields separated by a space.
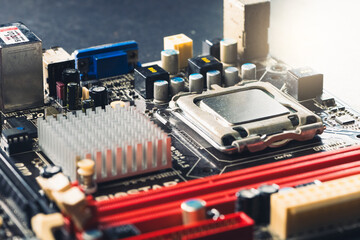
x=122 y=141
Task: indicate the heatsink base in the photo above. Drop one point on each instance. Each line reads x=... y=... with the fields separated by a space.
x=122 y=141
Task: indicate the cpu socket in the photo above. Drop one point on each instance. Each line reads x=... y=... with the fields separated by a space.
x=252 y=116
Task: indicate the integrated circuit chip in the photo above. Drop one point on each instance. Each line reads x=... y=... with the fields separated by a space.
x=344 y=119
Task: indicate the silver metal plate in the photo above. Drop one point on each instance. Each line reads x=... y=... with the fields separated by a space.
x=243 y=107
x=250 y=116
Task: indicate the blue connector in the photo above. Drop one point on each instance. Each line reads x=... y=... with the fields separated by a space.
x=107 y=60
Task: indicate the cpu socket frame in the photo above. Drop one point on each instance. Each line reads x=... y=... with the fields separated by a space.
x=276 y=119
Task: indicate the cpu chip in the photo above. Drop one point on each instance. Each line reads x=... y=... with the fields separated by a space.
x=252 y=116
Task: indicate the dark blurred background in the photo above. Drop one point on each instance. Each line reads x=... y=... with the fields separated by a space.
x=74 y=24
x=323 y=34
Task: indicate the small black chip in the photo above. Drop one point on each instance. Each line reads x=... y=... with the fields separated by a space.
x=304 y=83
x=211 y=47
x=203 y=65
x=326 y=101
x=15 y=140
x=145 y=78
x=22 y=122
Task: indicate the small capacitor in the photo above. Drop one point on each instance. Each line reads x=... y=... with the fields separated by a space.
x=193 y=210
x=116 y=104
x=49 y=171
x=100 y=96
x=228 y=51
x=177 y=84
x=248 y=201
x=73 y=96
x=85 y=93
x=87 y=104
x=231 y=76
x=170 y=61
x=86 y=170
x=248 y=71
x=196 y=83
x=213 y=77
x=265 y=193
x=161 y=91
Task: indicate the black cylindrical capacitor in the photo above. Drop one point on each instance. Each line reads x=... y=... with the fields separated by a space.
x=73 y=96
x=87 y=104
x=70 y=75
x=100 y=96
x=49 y=171
x=265 y=193
x=248 y=201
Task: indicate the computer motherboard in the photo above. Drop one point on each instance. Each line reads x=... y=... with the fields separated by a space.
x=231 y=144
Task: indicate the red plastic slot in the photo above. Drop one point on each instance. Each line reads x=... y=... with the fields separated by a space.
x=159 y=210
x=233 y=225
x=167 y=215
x=228 y=181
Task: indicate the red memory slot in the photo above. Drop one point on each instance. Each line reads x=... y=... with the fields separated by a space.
x=235 y=224
x=160 y=209
x=235 y=179
x=167 y=215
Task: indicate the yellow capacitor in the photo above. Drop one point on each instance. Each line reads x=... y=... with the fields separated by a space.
x=183 y=44
x=86 y=170
x=85 y=93
x=86 y=167
x=116 y=104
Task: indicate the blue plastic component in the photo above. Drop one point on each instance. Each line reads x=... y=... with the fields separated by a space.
x=107 y=60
